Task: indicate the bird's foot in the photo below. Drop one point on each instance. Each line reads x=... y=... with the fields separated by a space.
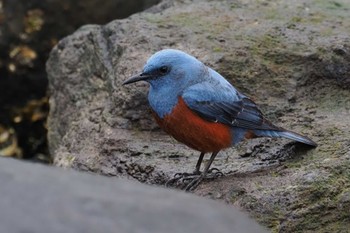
x=180 y=178
x=212 y=174
x=190 y=181
x=216 y=173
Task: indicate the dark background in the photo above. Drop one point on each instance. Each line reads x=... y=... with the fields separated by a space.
x=28 y=31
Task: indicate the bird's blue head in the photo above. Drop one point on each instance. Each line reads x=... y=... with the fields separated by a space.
x=170 y=70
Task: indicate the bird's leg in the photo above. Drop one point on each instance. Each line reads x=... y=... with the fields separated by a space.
x=198 y=165
x=197 y=169
x=185 y=175
x=195 y=182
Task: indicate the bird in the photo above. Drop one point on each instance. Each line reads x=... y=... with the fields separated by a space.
x=199 y=108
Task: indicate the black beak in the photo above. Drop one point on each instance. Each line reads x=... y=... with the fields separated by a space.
x=136 y=78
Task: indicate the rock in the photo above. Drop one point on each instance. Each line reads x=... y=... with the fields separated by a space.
x=290 y=57
x=37 y=198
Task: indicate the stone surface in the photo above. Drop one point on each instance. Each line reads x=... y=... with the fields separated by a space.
x=41 y=199
x=290 y=57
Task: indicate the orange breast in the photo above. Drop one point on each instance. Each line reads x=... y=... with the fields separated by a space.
x=187 y=127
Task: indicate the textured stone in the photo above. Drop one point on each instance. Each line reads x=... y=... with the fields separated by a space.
x=289 y=56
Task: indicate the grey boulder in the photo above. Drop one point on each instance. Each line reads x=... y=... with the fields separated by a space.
x=40 y=199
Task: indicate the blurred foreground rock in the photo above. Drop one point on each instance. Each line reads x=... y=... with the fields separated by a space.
x=40 y=199
x=293 y=58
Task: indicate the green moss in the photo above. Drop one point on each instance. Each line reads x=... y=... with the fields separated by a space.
x=235 y=5
x=332 y=5
x=317 y=17
x=297 y=19
x=335 y=100
x=327 y=32
x=153 y=18
x=217 y=49
x=321 y=206
x=334 y=10
x=321 y=201
x=265 y=46
x=318 y=208
x=68 y=160
x=273 y=14
x=200 y=23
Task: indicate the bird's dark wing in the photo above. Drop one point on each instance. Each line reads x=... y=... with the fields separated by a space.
x=241 y=113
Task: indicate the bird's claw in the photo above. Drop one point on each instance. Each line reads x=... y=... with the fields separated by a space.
x=190 y=181
x=194 y=184
x=216 y=173
x=180 y=178
x=183 y=175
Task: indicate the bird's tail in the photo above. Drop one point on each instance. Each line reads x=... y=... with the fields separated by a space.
x=286 y=134
x=297 y=137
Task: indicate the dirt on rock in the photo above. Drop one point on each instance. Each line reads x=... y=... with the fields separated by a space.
x=292 y=58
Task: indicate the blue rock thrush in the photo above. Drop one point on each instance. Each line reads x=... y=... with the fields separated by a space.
x=198 y=107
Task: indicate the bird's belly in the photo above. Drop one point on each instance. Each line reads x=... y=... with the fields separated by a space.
x=187 y=127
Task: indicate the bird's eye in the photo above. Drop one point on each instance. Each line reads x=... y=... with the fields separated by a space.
x=164 y=69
